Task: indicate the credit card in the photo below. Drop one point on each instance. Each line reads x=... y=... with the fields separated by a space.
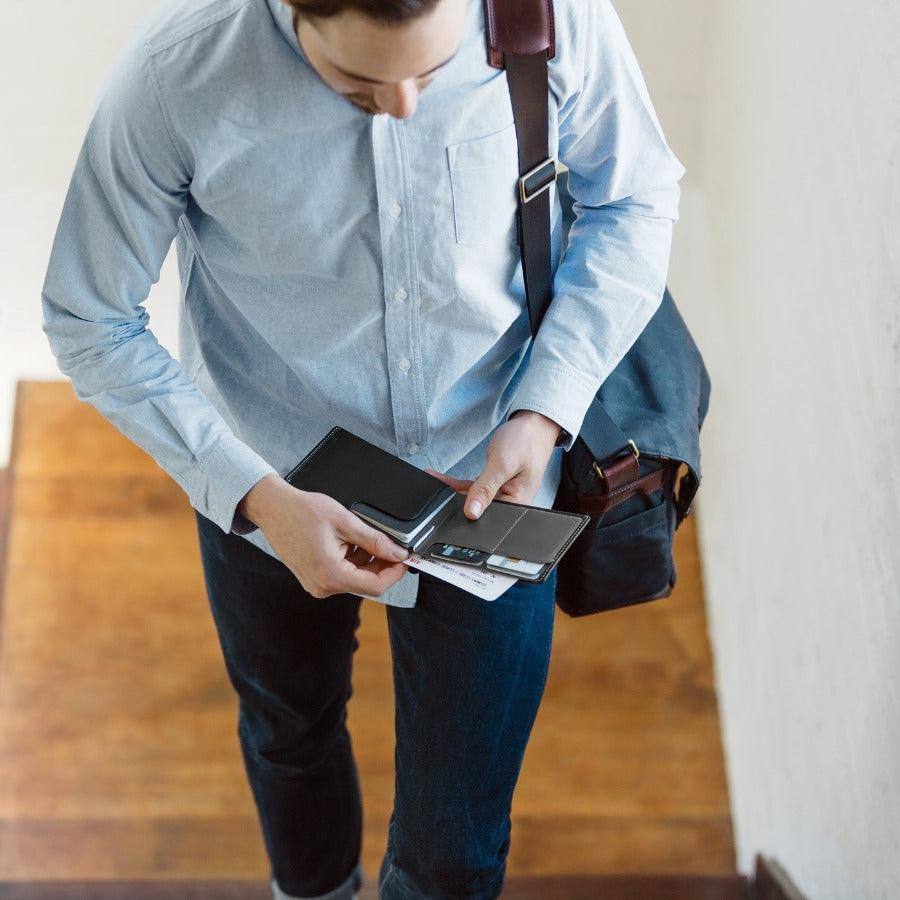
x=513 y=565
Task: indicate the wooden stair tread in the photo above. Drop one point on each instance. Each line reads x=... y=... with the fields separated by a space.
x=569 y=888
x=118 y=753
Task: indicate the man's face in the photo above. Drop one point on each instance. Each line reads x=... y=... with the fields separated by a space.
x=381 y=67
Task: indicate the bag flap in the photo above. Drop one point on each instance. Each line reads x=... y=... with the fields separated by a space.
x=657 y=395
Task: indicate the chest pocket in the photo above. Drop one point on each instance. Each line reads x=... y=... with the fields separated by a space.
x=483 y=177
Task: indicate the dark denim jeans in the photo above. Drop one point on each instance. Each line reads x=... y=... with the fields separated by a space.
x=468 y=679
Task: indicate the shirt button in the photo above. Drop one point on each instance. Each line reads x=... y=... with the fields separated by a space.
x=404 y=364
x=413 y=448
x=400 y=294
x=395 y=211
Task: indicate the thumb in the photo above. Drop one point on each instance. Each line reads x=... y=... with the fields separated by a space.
x=482 y=491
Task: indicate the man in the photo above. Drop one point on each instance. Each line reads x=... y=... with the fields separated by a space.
x=339 y=178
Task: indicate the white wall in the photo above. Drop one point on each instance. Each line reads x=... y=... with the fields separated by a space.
x=800 y=508
x=52 y=58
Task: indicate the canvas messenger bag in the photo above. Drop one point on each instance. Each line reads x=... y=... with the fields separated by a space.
x=635 y=465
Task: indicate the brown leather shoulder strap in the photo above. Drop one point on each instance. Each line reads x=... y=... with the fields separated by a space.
x=522 y=27
x=521 y=39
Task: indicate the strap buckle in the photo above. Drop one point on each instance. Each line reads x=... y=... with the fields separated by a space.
x=601 y=475
x=537 y=180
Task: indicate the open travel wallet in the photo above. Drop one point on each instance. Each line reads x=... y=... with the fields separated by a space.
x=423 y=514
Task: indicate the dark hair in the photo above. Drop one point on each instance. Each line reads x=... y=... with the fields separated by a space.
x=380 y=10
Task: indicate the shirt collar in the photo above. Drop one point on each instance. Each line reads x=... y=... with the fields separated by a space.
x=283 y=16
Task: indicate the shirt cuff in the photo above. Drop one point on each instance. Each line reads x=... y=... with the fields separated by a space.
x=557 y=391
x=227 y=472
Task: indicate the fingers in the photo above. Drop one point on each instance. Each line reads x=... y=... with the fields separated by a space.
x=458 y=484
x=493 y=480
x=372 y=564
x=359 y=572
x=371 y=580
x=352 y=529
x=359 y=557
x=484 y=489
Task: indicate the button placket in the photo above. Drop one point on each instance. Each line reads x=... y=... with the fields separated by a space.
x=416 y=375
x=398 y=282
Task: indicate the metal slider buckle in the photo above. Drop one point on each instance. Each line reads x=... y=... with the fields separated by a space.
x=599 y=472
x=538 y=179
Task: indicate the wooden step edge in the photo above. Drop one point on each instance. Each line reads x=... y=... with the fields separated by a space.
x=611 y=887
x=772 y=882
x=5 y=517
x=16 y=438
x=7 y=477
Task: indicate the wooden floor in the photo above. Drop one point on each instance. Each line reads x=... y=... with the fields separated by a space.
x=609 y=887
x=118 y=750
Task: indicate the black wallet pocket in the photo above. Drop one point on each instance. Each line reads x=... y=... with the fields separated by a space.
x=529 y=533
x=541 y=535
x=483 y=533
x=351 y=470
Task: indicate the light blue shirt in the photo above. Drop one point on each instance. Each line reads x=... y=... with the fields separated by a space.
x=339 y=268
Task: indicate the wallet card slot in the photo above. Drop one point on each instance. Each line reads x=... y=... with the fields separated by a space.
x=509 y=531
x=534 y=534
x=540 y=536
x=541 y=576
x=484 y=533
x=435 y=507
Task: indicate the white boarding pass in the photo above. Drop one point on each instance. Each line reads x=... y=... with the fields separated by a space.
x=481 y=583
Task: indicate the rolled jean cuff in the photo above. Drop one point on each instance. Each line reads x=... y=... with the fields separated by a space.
x=345 y=891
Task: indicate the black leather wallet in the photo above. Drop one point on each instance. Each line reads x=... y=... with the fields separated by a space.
x=390 y=491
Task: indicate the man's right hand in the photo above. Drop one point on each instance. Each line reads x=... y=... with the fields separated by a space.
x=327 y=547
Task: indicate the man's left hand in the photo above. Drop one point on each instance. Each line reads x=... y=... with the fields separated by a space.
x=517 y=458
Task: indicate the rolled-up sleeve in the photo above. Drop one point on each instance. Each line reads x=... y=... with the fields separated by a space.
x=623 y=179
x=119 y=218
